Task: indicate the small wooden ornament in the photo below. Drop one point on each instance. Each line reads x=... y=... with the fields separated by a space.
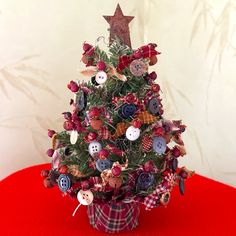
x=96 y=124
x=153 y=60
x=115 y=182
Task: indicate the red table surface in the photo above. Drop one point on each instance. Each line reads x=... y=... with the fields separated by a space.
x=28 y=208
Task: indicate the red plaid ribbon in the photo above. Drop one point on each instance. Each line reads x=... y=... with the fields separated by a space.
x=115 y=150
x=124 y=61
x=151 y=200
x=146 y=51
x=113 y=217
x=104 y=133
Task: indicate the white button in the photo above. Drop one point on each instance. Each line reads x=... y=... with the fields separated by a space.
x=132 y=133
x=85 y=197
x=73 y=137
x=94 y=147
x=101 y=77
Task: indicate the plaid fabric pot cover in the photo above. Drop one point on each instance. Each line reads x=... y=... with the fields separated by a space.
x=114 y=217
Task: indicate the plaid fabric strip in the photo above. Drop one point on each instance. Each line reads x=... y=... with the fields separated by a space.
x=120 y=129
x=114 y=217
x=132 y=178
x=104 y=133
x=115 y=150
x=151 y=200
x=146 y=117
x=124 y=61
x=148 y=51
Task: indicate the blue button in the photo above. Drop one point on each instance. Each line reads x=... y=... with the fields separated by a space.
x=128 y=110
x=159 y=145
x=145 y=180
x=153 y=106
x=102 y=165
x=81 y=101
x=64 y=182
x=94 y=82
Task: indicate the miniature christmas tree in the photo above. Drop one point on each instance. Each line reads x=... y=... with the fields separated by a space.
x=116 y=147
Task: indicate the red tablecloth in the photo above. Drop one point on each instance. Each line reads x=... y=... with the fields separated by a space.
x=27 y=208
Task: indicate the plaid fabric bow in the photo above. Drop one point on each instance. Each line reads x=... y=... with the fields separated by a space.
x=115 y=150
x=146 y=51
x=152 y=199
x=124 y=62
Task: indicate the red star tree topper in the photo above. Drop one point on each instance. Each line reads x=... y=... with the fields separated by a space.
x=119 y=26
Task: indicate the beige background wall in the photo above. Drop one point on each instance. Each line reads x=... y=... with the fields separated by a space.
x=40 y=51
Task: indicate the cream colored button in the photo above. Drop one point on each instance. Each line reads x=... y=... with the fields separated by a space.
x=73 y=137
x=85 y=197
x=132 y=133
x=101 y=77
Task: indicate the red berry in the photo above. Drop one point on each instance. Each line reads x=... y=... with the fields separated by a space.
x=149 y=166
x=51 y=133
x=137 y=123
x=50 y=152
x=153 y=75
x=176 y=152
x=101 y=65
x=68 y=125
x=92 y=136
x=73 y=86
x=63 y=169
x=103 y=154
x=44 y=173
x=86 y=47
x=48 y=183
x=94 y=112
x=155 y=87
x=116 y=171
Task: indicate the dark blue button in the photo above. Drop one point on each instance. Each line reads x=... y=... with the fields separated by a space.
x=128 y=110
x=145 y=180
x=159 y=145
x=81 y=101
x=153 y=106
x=94 y=82
x=102 y=165
x=64 y=182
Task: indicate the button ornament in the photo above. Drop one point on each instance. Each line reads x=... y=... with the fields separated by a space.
x=138 y=68
x=64 y=182
x=159 y=145
x=101 y=77
x=102 y=165
x=145 y=180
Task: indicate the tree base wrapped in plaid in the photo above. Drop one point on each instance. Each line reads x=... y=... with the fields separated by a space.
x=114 y=217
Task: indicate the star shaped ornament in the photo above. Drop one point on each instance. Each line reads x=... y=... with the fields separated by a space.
x=119 y=26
